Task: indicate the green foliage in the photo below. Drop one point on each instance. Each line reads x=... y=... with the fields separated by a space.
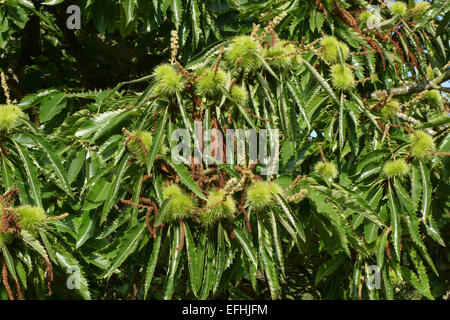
x=127 y=219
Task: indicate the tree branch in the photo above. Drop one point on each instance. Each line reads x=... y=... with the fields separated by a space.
x=412 y=88
x=414 y=122
x=445 y=89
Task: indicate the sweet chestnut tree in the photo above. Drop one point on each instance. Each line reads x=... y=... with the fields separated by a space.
x=351 y=204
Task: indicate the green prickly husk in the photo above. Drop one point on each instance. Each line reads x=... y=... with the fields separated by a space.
x=135 y=147
x=218 y=209
x=261 y=193
x=396 y=168
x=31 y=217
x=326 y=170
x=182 y=205
x=9 y=117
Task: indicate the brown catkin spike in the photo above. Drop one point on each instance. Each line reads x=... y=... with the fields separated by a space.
x=5 y=88
x=180 y=247
x=247 y=220
x=322 y=156
x=49 y=274
x=60 y=217
x=296 y=196
x=147 y=222
x=150 y=206
x=8 y=216
x=5 y=281
x=442 y=134
x=3 y=216
x=186 y=73
x=363 y=81
x=322 y=8
x=255 y=116
x=361 y=283
x=174 y=46
x=443 y=154
x=10 y=195
x=273 y=37
x=365 y=53
x=293 y=183
x=18 y=291
x=132 y=204
x=254 y=33
x=155 y=209
x=244 y=193
x=216 y=65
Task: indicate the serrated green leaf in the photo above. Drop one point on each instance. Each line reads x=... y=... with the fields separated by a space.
x=152 y=262
x=241 y=236
x=126 y=247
